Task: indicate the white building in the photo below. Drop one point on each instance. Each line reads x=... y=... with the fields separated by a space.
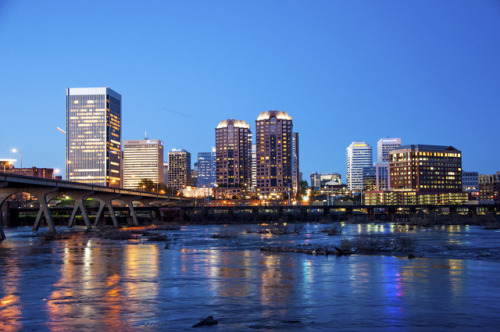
x=385 y=146
x=359 y=155
x=142 y=159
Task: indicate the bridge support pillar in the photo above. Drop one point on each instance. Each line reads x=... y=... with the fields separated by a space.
x=48 y=197
x=79 y=198
x=106 y=200
x=129 y=201
x=44 y=196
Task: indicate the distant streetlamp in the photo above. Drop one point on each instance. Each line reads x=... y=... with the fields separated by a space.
x=20 y=153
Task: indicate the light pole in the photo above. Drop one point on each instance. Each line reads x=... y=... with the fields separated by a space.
x=20 y=153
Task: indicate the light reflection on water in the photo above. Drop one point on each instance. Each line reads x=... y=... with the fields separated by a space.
x=85 y=283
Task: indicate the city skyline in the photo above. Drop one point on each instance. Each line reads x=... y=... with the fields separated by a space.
x=367 y=71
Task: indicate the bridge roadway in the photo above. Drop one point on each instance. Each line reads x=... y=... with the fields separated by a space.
x=44 y=190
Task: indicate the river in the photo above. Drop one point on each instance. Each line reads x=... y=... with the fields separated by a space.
x=86 y=283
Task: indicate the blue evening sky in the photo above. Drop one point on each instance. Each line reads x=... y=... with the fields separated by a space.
x=425 y=71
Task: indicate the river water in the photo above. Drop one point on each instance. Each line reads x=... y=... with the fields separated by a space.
x=86 y=283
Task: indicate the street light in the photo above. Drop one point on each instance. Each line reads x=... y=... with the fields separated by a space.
x=20 y=153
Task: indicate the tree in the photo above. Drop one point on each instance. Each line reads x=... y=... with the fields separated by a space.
x=303 y=185
x=161 y=188
x=147 y=185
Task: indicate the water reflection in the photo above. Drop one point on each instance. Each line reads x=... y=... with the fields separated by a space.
x=89 y=284
x=10 y=303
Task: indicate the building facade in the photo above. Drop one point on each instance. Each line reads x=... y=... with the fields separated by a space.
x=233 y=154
x=385 y=146
x=359 y=155
x=369 y=178
x=426 y=168
x=489 y=187
x=142 y=160
x=254 y=168
x=274 y=154
x=295 y=162
x=383 y=180
x=321 y=181
x=470 y=182
x=45 y=173
x=206 y=169
x=93 y=136
x=179 y=169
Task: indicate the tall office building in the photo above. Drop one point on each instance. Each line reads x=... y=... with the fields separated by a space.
x=426 y=168
x=179 y=169
x=274 y=154
x=385 y=146
x=206 y=169
x=93 y=136
x=359 y=155
x=233 y=144
x=142 y=159
x=295 y=162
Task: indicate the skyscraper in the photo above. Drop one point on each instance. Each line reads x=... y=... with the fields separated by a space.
x=206 y=169
x=385 y=146
x=179 y=169
x=93 y=136
x=274 y=154
x=233 y=144
x=359 y=155
x=142 y=159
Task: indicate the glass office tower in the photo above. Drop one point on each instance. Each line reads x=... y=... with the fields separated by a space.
x=93 y=136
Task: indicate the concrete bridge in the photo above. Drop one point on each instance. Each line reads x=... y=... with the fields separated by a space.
x=44 y=190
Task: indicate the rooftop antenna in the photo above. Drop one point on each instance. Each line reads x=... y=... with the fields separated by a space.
x=145 y=135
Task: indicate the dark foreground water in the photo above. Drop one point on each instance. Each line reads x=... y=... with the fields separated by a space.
x=93 y=284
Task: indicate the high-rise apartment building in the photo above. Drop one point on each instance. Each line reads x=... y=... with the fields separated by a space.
x=359 y=155
x=385 y=146
x=179 y=169
x=233 y=144
x=93 y=136
x=274 y=154
x=295 y=162
x=142 y=159
x=426 y=168
x=206 y=169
